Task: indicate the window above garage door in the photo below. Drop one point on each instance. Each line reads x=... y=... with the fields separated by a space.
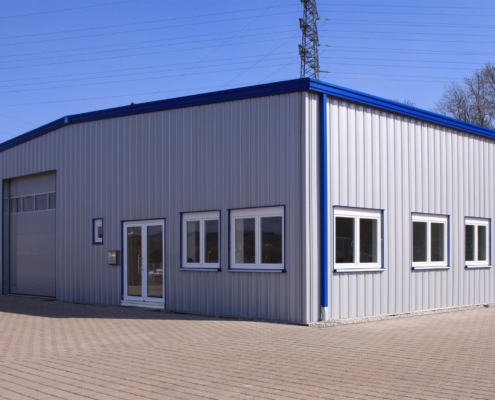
x=35 y=202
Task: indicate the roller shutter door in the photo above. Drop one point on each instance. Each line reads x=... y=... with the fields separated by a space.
x=32 y=230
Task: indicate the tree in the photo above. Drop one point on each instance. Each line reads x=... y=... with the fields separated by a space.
x=473 y=101
x=406 y=102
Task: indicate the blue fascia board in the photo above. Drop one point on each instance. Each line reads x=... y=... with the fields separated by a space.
x=269 y=89
x=398 y=108
x=32 y=134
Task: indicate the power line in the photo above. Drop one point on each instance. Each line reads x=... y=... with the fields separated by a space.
x=385 y=78
x=400 y=66
x=438 y=78
x=140 y=23
x=435 y=24
x=216 y=48
x=388 y=79
x=66 y=9
x=443 y=14
x=247 y=30
x=141 y=47
x=406 y=60
x=263 y=59
x=222 y=70
x=280 y=69
x=393 y=64
x=127 y=43
x=133 y=69
x=208 y=40
x=408 y=33
x=409 y=40
x=195 y=24
x=368 y=49
x=140 y=54
x=138 y=79
x=116 y=96
x=17 y=119
x=133 y=74
x=408 y=6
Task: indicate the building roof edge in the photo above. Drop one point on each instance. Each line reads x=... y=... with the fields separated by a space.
x=398 y=108
x=268 y=89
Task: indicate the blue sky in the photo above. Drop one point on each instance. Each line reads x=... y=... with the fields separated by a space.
x=62 y=57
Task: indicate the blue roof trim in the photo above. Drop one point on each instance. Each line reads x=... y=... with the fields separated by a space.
x=269 y=89
x=398 y=108
x=32 y=134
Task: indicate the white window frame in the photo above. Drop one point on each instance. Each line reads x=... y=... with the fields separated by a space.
x=429 y=219
x=257 y=214
x=200 y=217
x=478 y=222
x=358 y=213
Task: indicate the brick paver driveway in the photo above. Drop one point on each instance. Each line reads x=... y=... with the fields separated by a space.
x=57 y=350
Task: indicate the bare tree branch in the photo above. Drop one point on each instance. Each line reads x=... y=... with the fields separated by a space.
x=472 y=102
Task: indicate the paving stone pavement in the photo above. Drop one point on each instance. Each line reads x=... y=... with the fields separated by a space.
x=54 y=350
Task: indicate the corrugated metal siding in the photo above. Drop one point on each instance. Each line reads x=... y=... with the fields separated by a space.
x=237 y=154
x=384 y=161
x=311 y=204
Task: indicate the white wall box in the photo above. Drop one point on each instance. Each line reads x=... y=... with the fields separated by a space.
x=305 y=201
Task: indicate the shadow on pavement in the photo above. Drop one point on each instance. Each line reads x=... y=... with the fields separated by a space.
x=51 y=308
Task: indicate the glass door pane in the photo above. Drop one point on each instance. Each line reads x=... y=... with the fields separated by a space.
x=155 y=261
x=134 y=261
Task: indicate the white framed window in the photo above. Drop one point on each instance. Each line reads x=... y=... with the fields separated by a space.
x=477 y=242
x=98 y=231
x=257 y=238
x=429 y=241
x=357 y=238
x=201 y=240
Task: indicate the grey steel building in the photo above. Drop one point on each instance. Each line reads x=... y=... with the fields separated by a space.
x=294 y=201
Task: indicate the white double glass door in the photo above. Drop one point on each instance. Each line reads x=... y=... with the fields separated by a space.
x=143 y=263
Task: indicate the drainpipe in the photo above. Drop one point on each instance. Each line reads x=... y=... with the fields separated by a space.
x=325 y=315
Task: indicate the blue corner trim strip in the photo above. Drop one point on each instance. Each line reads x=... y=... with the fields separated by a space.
x=269 y=89
x=324 y=200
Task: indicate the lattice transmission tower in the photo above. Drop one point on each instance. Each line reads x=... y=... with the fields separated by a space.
x=308 y=50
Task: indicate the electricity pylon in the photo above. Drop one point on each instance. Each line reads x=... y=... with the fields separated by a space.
x=308 y=50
